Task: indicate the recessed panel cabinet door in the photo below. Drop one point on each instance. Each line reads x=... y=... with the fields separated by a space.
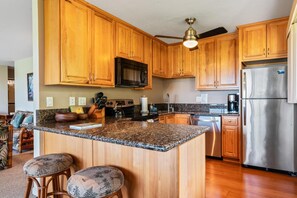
x=254 y=42
x=226 y=61
x=277 y=39
x=175 y=60
x=137 y=46
x=189 y=62
x=123 y=41
x=207 y=64
x=156 y=57
x=230 y=142
x=75 y=42
x=103 y=50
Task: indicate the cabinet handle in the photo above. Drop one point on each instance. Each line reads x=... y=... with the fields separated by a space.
x=68 y=1
x=90 y=77
x=264 y=51
x=268 y=51
x=93 y=77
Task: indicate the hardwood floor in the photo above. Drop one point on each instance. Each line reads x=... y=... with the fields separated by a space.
x=228 y=180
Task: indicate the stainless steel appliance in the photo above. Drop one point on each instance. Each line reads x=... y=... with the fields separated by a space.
x=269 y=133
x=233 y=103
x=129 y=73
x=213 y=137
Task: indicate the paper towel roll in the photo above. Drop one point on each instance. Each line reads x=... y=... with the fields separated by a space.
x=144 y=107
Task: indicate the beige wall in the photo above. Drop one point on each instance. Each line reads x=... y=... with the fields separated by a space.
x=21 y=69
x=3 y=90
x=183 y=91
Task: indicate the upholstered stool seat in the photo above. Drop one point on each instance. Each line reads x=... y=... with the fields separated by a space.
x=51 y=165
x=95 y=182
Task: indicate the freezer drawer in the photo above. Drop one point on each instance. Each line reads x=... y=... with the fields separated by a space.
x=268 y=134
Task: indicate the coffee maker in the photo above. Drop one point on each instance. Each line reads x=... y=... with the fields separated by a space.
x=233 y=103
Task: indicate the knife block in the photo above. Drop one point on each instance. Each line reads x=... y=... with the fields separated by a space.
x=98 y=113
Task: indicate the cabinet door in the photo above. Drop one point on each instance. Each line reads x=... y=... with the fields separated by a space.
x=156 y=58
x=148 y=59
x=226 y=70
x=182 y=119
x=206 y=74
x=254 y=42
x=175 y=59
x=123 y=41
x=277 y=39
x=163 y=60
x=170 y=119
x=75 y=42
x=230 y=142
x=137 y=46
x=189 y=62
x=103 y=50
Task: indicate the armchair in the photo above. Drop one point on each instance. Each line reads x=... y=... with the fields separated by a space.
x=5 y=146
x=22 y=137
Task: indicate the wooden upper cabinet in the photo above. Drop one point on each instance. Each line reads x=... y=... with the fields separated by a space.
x=218 y=65
x=175 y=59
x=103 y=50
x=189 y=62
x=277 y=39
x=254 y=42
x=75 y=42
x=207 y=62
x=226 y=61
x=160 y=59
x=129 y=43
x=181 y=61
x=263 y=40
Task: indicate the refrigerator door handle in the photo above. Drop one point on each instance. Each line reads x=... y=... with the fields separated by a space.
x=244 y=86
x=244 y=112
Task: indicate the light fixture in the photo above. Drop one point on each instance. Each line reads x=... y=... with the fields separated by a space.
x=190 y=38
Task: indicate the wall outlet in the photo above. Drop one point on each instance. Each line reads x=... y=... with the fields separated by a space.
x=71 y=101
x=49 y=101
x=82 y=101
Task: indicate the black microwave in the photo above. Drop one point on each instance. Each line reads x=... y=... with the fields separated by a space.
x=129 y=73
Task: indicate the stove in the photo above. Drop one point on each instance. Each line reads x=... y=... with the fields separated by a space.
x=125 y=108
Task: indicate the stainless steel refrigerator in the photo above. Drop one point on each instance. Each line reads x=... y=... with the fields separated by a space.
x=269 y=133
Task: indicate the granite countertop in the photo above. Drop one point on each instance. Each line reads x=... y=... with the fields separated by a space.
x=152 y=136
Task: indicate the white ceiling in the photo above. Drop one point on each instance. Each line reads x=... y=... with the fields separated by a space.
x=153 y=16
x=166 y=17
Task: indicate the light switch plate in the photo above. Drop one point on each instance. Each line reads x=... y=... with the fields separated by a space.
x=49 y=101
x=204 y=98
x=82 y=101
x=71 y=101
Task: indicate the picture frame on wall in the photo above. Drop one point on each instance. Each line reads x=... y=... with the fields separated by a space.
x=30 y=86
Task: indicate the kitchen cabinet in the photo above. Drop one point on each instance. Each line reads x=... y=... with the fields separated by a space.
x=182 y=119
x=78 y=45
x=263 y=40
x=182 y=61
x=129 y=43
x=148 y=59
x=175 y=119
x=231 y=138
x=160 y=59
x=218 y=65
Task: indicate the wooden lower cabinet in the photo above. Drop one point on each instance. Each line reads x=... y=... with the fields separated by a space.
x=175 y=119
x=231 y=138
x=146 y=174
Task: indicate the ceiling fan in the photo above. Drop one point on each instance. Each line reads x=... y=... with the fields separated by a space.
x=190 y=39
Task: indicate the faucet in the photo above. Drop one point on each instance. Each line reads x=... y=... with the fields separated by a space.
x=168 y=102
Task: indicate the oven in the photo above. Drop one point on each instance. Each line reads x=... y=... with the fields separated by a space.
x=213 y=136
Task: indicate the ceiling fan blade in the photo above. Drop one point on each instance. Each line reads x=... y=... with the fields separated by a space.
x=170 y=37
x=216 y=31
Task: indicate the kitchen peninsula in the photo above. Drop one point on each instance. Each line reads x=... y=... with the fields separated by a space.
x=158 y=160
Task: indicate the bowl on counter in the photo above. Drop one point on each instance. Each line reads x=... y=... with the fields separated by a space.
x=66 y=116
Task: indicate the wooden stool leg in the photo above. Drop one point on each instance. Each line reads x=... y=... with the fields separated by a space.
x=55 y=184
x=43 y=189
x=29 y=186
x=119 y=194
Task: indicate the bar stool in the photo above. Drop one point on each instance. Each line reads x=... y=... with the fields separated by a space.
x=52 y=166
x=95 y=182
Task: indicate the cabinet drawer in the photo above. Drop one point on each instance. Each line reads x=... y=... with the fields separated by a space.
x=230 y=120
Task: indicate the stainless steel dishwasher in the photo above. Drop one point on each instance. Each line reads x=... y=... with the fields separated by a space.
x=213 y=137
